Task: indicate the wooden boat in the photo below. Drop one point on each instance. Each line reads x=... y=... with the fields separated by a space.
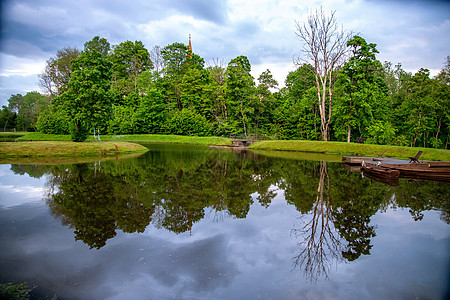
x=432 y=171
x=388 y=181
x=380 y=172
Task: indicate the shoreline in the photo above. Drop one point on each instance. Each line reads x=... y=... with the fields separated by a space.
x=49 y=146
x=56 y=149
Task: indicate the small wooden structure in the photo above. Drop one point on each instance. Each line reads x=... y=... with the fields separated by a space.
x=241 y=140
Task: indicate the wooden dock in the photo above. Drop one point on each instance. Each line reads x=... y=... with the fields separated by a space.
x=380 y=167
x=351 y=160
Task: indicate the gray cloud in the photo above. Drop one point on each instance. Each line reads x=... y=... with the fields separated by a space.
x=410 y=32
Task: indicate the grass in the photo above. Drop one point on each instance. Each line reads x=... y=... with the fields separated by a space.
x=93 y=147
x=37 y=136
x=155 y=138
x=11 y=136
x=66 y=148
x=10 y=133
x=352 y=149
x=37 y=144
x=296 y=155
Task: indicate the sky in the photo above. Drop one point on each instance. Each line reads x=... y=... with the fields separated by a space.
x=415 y=33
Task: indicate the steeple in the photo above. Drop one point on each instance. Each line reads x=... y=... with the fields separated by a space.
x=190 y=47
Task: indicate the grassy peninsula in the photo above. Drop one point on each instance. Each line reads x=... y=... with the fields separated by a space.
x=66 y=148
x=49 y=145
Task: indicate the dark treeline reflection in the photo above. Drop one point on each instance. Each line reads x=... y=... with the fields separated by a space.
x=173 y=187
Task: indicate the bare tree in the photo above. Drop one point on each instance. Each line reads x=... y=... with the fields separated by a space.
x=54 y=79
x=157 y=58
x=324 y=48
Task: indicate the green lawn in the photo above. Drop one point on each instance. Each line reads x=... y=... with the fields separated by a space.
x=352 y=149
x=155 y=138
x=66 y=148
x=334 y=148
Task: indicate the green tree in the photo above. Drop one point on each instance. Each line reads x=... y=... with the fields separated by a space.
x=122 y=121
x=150 y=115
x=266 y=101
x=215 y=90
x=54 y=119
x=129 y=60
x=29 y=109
x=397 y=81
x=192 y=94
x=240 y=93
x=88 y=98
x=188 y=122
x=177 y=60
x=299 y=112
x=98 y=44
x=418 y=107
x=364 y=97
x=7 y=118
x=442 y=105
x=14 y=102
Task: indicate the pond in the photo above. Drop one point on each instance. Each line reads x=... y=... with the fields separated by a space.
x=190 y=222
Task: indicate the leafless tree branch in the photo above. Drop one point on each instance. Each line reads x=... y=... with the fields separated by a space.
x=324 y=46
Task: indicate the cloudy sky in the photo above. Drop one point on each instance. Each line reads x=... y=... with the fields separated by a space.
x=414 y=33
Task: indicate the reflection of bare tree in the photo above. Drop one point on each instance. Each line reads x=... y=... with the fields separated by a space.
x=321 y=243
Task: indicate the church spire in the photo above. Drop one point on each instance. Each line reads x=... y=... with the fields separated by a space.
x=190 y=47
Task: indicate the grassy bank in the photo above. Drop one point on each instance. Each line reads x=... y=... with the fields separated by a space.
x=66 y=148
x=11 y=133
x=155 y=138
x=352 y=149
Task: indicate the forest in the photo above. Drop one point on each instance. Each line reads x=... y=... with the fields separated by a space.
x=128 y=89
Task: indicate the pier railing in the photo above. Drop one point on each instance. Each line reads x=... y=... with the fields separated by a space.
x=249 y=137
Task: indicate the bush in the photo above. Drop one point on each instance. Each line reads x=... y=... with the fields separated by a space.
x=187 y=122
x=122 y=121
x=400 y=140
x=380 y=133
x=79 y=130
x=53 y=121
x=150 y=115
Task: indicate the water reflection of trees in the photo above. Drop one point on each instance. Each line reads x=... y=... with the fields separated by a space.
x=338 y=225
x=176 y=189
x=171 y=190
x=321 y=244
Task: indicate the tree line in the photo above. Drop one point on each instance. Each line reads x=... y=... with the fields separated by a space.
x=126 y=89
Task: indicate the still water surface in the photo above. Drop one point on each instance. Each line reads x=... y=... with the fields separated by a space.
x=189 y=222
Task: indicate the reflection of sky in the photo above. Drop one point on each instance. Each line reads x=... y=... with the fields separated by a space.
x=18 y=189
x=408 y=258
x=227 y=259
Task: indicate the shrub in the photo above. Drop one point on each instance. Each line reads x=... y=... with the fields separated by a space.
x=53 y=121
x=79 y=130
x=187 y=122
